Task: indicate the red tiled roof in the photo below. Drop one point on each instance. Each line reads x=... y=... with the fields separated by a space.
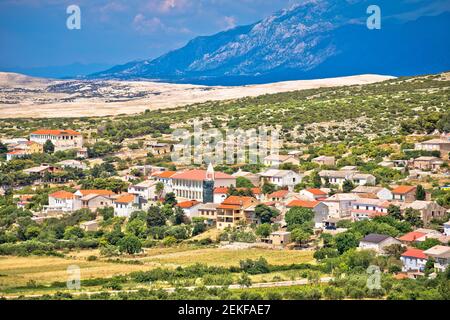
x=317 y=192
x=412 y=236
x=225 y=190
x=125 y=199
x=200 y=175
x=164 y=174
x=56 y=132
x=187 y=204
x=279 y=194
x=235 y=202
x=414 y=253
x=17 y=152
x=303 y=204
x=98 y=192
x=403 y=189
x=62 y=195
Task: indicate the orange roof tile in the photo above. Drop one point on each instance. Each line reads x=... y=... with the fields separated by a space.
x=98 y=192
x=411 y=236
x=200 y=175
x=279 y=194
x=317 y=192
x=62 y=195
x=125 y=199
x=236 y=202
x=187 y=204
x=56 y=132
x=404 y=189
x=303 y=204
x=414 y=253
x=164 y=174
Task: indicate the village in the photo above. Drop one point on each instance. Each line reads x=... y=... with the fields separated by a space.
x=281 y=207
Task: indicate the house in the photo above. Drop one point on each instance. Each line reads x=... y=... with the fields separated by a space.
x=280 y=238
x=338 y=177
x=89 y=226
x=428 y=209
x=413 y=260
x=277 y=160
x=320 y=209
x=94 y=199
x=24 y=200
x=190 y=208
x=199 y=184
x=325 y=161
x=160 y=148
x=404 y=193
x=427 y=163
x=440 y=255
x=146 y=191
x=82 y=153
x=60 y=201
x=281 y=178
x=220 y=194
x=313 y=194
x=441 y=145
x=74 y=164
x=411 y=237
x=340 y=205
x=373 y=192
x=61 y=139
x=165 y=177
x=31 y=147
x=367 y=208
x=278 y=196
x=208 y=211
x=43 y=171
x=447 y=228
x=16 y=154
x=235 y=210
x=377 y=242
x=254 y=178
x=125 y=205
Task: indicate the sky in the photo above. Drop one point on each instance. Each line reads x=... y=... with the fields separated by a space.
x=33 y=33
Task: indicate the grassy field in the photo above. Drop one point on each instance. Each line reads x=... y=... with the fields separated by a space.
x=21 y=271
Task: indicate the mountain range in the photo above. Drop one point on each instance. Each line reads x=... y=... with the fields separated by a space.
x=310 y=40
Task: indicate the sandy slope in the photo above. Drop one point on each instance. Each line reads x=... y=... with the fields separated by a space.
x=22 y=96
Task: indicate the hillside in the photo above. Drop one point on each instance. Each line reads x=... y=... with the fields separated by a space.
x=26 y=97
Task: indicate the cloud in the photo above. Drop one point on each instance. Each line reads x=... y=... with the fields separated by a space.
x=147 y=25
x=229 y=22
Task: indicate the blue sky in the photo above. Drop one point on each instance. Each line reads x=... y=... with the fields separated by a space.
x=33 y=33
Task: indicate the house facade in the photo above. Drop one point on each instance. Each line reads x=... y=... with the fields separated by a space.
x=377 y=242
x=61 y=139
x=404 y=193
x=281 y=178
x=413 y=260
x=235 y=210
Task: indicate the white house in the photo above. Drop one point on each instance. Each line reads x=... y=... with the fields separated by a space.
x=281 y=178
x=377 y=242
x=190 y=208
x=60 y=201
x=313 y=194
x=338 y=177
x=340 y=204
x=379 y=192
x=320 y=209
x=366 y=208
x=61 y=139
x=125 y=205
x=277 y=160
x=145 y=190
x=74 y=164
x=441 y=256
x=413 y=260
x=199 y=184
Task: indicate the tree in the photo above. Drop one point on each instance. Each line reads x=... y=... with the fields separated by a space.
x=429 y=266
x=130 y=244
x=268 y=188
x=420 y=193
x=159 y=189
x=395 y=250
x=413 y=216
x=3 y=148
x=245 y=281
x=107 y=213
x=395 y=212
x=299 y=236
x=49 y=147
x=155 y=218
x=264 y=230
x=347 y=186
x=170 y=199
x=346 y=241
x=316 y=181
x=298 y=216
x=179 y=217
x=242 y=182
x=265 y=213
x=137 y=227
